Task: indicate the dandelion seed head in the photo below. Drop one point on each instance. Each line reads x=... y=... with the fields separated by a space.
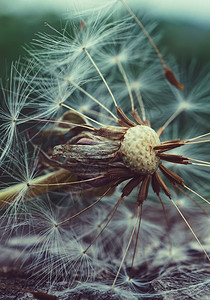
x=193 y=103
x=100 y=72
x=191 y=281
x=184 y=203
x=84 y=108
x=178 y=254
x=137 y=149
x=184 y=105
x=16 y=98
x=21 y=168
x=203 y=228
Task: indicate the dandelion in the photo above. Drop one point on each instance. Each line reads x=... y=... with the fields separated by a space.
x=15 y=101
x=55 y=248
x=192 y=105
x=103 y=147
x=20 y=170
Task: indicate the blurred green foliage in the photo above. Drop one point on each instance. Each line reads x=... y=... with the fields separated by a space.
x=186 y=40
x=17 y=32
x=183 y=40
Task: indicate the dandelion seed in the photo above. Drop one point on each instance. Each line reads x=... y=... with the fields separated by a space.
x=15 y=101
x=22 y=169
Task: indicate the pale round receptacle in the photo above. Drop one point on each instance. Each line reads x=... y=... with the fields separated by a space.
x=137 y=149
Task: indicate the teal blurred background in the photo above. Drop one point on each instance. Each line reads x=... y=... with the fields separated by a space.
x=185 y=25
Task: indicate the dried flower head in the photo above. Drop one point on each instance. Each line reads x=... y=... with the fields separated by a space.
x=104 y=140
